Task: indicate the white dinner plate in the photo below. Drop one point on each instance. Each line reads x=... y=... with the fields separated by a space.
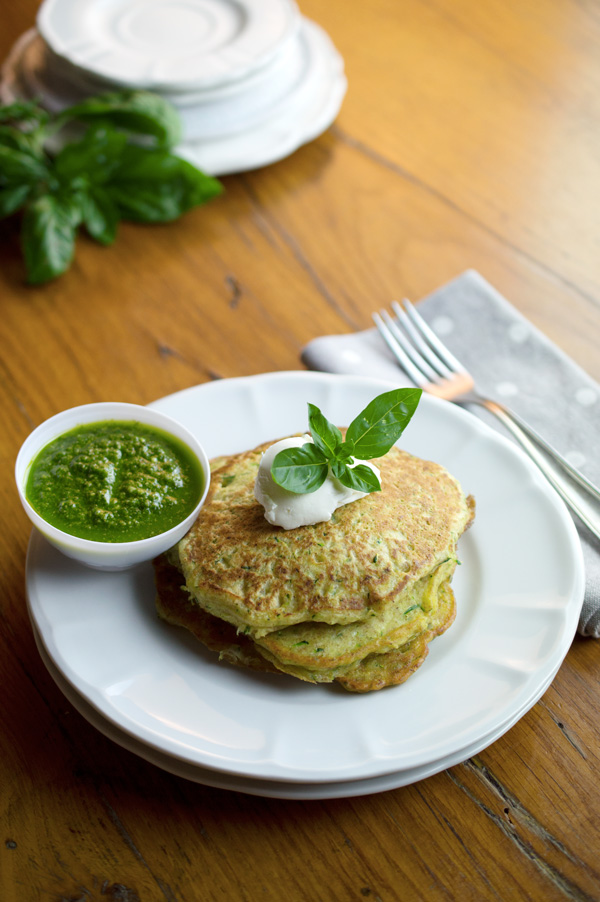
x=288 y=85
x=299 y=77
x=239 y=135
x=158 y=44
x=301 y=115
x=269 y=788
x=519 y=593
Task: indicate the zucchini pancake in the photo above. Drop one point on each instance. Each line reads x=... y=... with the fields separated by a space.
x=355 y=600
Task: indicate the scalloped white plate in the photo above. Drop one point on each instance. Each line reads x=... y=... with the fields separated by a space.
x=519 y=592
x=287 y=86
x=259 y=123
x=167 y=44
x=305 y=112
x=270 y=788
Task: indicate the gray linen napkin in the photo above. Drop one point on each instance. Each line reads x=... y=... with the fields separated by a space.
x=512 y=362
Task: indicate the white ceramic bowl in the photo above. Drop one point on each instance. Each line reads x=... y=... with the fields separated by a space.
x=107 y=555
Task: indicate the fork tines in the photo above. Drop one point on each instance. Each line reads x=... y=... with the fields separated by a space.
x=417 y=348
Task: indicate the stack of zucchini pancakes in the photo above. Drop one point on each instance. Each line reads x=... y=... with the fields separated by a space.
x=354 y=600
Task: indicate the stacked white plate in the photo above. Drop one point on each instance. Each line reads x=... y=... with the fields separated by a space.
x=153 y=689
x=252 y=80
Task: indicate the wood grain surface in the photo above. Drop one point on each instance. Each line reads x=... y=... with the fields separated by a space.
x=469 y=138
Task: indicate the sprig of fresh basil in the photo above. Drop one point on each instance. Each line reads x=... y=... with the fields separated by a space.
x=115 y=162
x=371 y=434
x=139 y=112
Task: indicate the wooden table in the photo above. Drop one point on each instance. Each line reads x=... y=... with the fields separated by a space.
x=470 y=137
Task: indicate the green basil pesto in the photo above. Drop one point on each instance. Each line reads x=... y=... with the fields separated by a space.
x=114 y=481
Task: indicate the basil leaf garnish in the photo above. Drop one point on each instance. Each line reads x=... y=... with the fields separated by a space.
x=95 y=157
x=382 y=422
x=300 y=470
x=13 y=198
x=19 y=167
x=325 y=435
x=100 y=215
x=140 y=112
x=155 y=186
x=360 y=478
x=371 y=434
x=48 y=238
x=18 y=139
x=23 y=111
x=95 y=180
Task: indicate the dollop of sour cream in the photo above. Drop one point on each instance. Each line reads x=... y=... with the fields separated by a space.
x=290 y=510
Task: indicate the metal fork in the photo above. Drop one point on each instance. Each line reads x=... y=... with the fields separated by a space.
x=431 y=366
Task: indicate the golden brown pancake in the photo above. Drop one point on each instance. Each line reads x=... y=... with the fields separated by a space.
x=394 y=667
x=355 y=600
x=263 y=578
x=321 y=646
x=173 y=604
x=375 y=671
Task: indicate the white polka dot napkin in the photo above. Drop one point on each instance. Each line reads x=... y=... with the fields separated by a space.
x=511 y=361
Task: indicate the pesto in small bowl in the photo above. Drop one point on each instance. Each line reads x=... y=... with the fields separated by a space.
x=114 y=481
x=112 y=484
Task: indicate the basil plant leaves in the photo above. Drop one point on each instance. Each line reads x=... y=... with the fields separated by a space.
x=105 y=159
x=370 y=435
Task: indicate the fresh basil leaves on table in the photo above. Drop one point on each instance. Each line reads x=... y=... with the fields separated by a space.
x=371 y=434
x=114 y=162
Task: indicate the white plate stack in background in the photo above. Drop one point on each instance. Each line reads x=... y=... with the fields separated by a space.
x=252 y=80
